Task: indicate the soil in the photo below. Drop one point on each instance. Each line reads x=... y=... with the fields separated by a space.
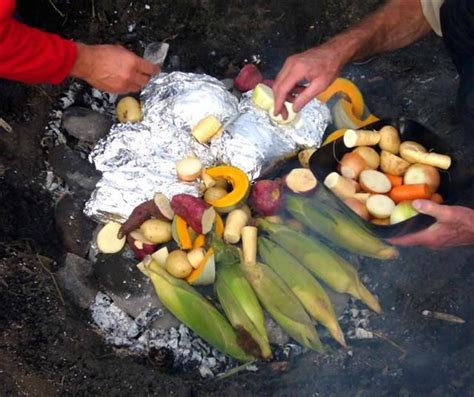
x=48 y=345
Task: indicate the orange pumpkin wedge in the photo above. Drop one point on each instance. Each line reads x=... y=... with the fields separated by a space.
x=240 y=187
x=180 y=233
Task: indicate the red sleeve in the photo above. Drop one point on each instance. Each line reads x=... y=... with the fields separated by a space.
x=30 y=55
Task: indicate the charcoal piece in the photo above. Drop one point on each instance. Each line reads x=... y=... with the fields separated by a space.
x=74 y=228
x=162 y=358
x=276 y=334
x=86 y=124
x=76 y=171
x=76 y=279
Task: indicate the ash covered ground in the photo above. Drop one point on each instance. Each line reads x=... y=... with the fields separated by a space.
x=47 y=344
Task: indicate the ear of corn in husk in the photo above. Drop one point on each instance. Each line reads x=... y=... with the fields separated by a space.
x=282 y=304
x=243 y=310
x=193 y=310
x=337 y=228
x=306 y=288
x=325 y=264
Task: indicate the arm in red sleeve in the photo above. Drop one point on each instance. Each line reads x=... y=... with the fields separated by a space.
x=30 y=55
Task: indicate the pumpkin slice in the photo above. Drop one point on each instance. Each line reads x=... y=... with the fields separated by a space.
x=240 y=187
x=180 y=233
x=349 y=90
x=205 y=274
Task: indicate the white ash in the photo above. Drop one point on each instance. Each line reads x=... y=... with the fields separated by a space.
x=78 y=94
x=356 y=320
x=190 y=352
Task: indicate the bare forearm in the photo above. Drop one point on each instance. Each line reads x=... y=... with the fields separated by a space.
x=395 y=25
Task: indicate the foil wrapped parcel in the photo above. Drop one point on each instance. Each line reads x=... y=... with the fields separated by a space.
x=139 y=159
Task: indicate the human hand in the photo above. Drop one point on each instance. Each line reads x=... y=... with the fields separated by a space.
x=319 y=66
x=112 y=68
x=454 y=227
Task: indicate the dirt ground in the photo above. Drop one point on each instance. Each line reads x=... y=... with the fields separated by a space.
x=48 y=346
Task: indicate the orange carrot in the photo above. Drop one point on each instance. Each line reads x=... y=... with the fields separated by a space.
x=395 y=180
x=410 y=192
x=437 y=198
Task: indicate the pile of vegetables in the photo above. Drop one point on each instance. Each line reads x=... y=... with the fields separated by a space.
x=186 y=242
x=381 y=176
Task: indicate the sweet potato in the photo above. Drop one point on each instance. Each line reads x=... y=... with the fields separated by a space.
x=108 y=241
x=140 y=214
x=248 y=77
x=195 y=211
x=266 y=197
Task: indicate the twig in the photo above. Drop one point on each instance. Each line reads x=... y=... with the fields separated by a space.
x=93 y=8
x=56 y=8
x=51 y=274
x=394 y=344
x=235 y=370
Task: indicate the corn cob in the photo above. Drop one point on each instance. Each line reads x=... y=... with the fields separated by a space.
x=282 y=304
x=243 y=310
x=306 y=288
x=325 y=264
x=338 y=229
x=192 y=309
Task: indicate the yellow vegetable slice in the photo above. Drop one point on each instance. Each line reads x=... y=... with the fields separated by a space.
x=240 y=187
x=349 y=90
x=205 y=274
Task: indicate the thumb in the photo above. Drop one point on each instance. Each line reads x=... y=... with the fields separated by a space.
x=428 y=207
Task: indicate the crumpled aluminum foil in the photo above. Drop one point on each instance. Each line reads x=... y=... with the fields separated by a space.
x=137 y=160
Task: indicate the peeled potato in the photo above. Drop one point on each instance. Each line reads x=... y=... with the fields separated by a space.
x=128 y=110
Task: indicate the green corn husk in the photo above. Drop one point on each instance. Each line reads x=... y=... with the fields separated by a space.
x=282 y=305
x=324 y=263
x=337 y=228
x=196 y=312
x=306 y=288
x=243 y=310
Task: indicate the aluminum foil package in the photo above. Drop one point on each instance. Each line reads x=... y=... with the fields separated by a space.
x=137 y=160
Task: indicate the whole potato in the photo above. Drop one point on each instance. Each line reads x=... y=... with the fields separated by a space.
x=178 y=265
x=156 y=231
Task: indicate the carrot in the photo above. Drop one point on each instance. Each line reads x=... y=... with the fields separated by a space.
x=437 y=198
x=410 y=192
x=395 y=180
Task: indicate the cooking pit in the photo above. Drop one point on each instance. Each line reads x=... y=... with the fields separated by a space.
x=60 y=335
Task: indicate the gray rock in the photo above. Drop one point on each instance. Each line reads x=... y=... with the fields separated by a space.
x=276 y=334
x=76 y=279
x=86 y=124
x=74 y=228
x=76 y=171
x=156 y=52
x=129 y=288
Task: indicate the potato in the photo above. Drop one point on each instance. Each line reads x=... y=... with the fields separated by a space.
x=420 y=173
x=389 y=139
x=380 y=206
x=214 y=193
x=156 y=231
x=370 y=156
x=128 y=110
x=178 y=265
x=392 y=164
x=373 y=181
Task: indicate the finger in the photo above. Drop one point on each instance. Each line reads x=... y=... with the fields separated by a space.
x=146 y=67
x=134 y=87
x=409 y=240
x=442 y=213
x=308 y=94
x=284 y=83
x=140 y=79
